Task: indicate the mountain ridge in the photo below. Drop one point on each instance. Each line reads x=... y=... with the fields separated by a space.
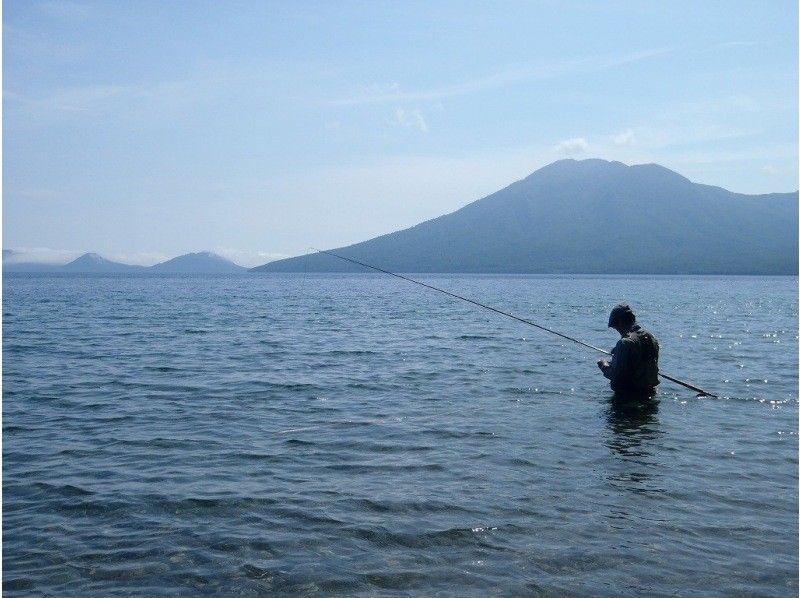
x=94 y=262
x=199 y=262
x=594 y=217
x=204 y=262
x=588 y=216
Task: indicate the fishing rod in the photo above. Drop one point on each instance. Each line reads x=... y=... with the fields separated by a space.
x=697 y=389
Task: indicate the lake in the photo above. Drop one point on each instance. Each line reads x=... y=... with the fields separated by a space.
x=356 y=434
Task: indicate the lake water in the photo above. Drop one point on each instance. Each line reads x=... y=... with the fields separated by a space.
x=356 y=434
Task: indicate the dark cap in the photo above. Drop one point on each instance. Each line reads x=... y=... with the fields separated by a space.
x=621 y=313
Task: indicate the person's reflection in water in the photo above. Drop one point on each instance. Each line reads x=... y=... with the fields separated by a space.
x=634 y=432
x=632 y=420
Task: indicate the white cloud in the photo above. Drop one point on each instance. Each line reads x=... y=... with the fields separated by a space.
x=625 y=138
x=574 y=145
x=771 y=170
x=410 y=119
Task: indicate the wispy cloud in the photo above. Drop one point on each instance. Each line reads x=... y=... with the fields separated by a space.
x=668 y=135
x=35 y=194
x=248 y=258
x=698 y=158
x=413 y=119
x=25 y=46
x=96 y=99
x=737 y=44
x=574 y=145
x=377 y=94
x=76 y=99
x=139 y=258
x=63 y=9
x=41 y=255
x=49 y=255
x=623 y=59
x=392 y=92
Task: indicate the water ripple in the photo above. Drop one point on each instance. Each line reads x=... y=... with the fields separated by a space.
x=329 y=434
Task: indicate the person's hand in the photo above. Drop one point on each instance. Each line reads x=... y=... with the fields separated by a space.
x=602 y=364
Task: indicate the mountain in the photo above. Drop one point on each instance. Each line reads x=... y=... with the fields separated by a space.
x=204 y=262
x=590 y=216
x=92 y=262
x=198 y=263
x=87 y=263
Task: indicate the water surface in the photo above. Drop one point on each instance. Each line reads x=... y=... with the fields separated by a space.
x=356 y=434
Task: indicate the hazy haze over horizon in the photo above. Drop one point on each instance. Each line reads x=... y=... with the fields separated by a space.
x=255 y=130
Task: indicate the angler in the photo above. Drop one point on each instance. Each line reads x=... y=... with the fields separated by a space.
x=633 y=369
x=697 y=389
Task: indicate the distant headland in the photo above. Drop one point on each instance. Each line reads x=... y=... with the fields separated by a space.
x=570 y=217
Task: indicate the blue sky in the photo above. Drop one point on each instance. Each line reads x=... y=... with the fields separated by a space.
x=143 y=130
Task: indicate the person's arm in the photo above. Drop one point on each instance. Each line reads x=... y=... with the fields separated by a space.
x=620 y=361
x=605 y=364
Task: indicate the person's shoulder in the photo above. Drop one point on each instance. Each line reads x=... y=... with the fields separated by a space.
x=646 y=332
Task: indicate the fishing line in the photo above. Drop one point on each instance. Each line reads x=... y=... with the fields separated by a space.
x=697 y=389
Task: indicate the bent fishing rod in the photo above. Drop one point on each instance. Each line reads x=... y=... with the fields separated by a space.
x=697 y=389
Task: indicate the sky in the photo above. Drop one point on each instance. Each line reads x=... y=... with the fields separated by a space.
x=144 y=130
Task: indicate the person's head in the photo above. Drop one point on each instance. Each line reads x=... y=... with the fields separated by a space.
x=621 y=318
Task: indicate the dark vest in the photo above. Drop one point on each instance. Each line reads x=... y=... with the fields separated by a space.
x=639 y=373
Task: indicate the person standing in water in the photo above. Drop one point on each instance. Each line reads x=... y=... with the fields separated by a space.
x=633 y=369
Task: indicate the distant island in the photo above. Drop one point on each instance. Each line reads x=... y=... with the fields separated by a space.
x=590 y=217
x=92 y=262
x=204 y=262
